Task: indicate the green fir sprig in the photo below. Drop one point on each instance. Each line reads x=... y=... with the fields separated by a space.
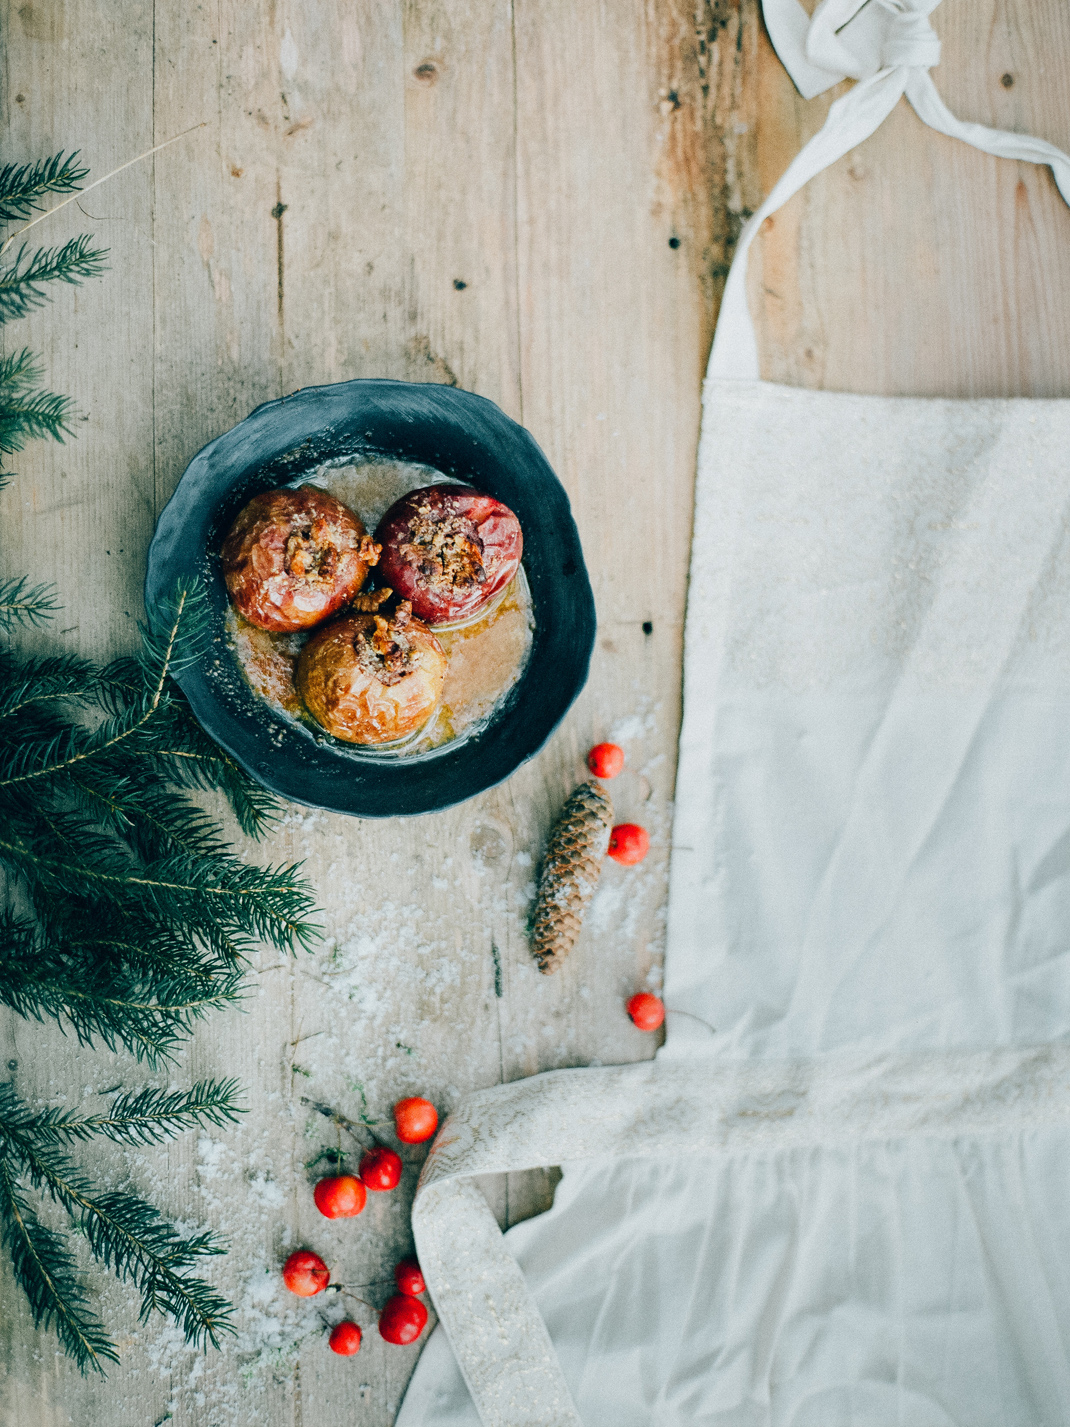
x=123 y=1232
x=124 y=915
x=22 y=283
x=24 y=186
x=26 y=412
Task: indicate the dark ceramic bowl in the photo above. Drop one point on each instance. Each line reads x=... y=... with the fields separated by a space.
x=463 y=436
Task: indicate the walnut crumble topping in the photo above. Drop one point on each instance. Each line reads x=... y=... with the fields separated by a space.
x=384 y=647
x=312 y=554
x=444 y=548
x=369 y=601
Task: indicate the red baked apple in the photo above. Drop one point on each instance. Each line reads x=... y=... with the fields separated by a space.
x=294 y=557
x=369 y=679
x=449 y=550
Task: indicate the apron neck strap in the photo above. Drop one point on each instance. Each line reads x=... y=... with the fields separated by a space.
x=889 y=47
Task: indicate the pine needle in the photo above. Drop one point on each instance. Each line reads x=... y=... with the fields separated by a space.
x=23 y=603
x=133 y=916
x=22 y=284
x=23 y=186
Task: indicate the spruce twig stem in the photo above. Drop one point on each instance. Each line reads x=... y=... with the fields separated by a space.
x=96 y=184
x=674 y=1011
x=337 y=1118
x=124 y=914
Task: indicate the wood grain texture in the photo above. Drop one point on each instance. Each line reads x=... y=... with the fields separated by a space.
x=534 y=200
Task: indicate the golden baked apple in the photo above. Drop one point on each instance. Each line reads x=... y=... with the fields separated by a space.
x=371 y=679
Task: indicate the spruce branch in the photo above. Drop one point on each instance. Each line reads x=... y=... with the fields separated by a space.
x=25 y=412
x=194 y=762
x=23 y=186
x=44 y=683
x=42 y=413
x=172 y=640
x=270 y=903
x=137 y=996
x=131 y=916
x=23 y=603
x=21 y=285
x=125 y=1234
x=149 y=1116
x=136 y=1117
x=19 y=371
x=45 y=1270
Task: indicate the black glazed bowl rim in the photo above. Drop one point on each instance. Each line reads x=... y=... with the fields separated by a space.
x=460 y=434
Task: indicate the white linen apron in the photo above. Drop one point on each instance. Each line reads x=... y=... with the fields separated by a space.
x=852 y=1206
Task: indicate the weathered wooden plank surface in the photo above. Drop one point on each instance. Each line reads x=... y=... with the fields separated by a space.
x=579 y=169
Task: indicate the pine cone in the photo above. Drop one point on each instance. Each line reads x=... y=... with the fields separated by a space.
x=570 y=871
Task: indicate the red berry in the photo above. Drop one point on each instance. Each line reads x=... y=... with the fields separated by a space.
x=403 y=1319
x=345 y=1339
x=628 y=843
x=305 y=1273
x=409 y=1277
x=415 y=1120
x=342 y=1196
x=380 y=1168
x=647 y=1011
x=605 y=760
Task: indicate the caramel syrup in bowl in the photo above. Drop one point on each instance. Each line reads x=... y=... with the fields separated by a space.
x=486 y=654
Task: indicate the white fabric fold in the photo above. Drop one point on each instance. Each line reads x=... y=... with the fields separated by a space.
x=850 y=39
x=849 y=1206
x=664 y=1111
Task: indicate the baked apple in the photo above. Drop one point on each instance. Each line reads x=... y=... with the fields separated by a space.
x=372 y=679
x=449 y=550
x=294 y=557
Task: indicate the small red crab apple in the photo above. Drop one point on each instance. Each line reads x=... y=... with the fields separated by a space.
x=628 y=844
x=646 y=1010
x=380 y=1168
x=305 y=1273
x=341 y=1196
x=409 y=1278
x=345 y=1339
x=605 y=760
x=415 y=1120
x=403 y=1319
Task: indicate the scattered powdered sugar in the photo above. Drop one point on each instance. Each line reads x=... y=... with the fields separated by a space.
x=274 y=1325
x=642 y=724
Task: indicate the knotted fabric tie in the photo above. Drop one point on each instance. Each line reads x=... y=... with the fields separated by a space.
x=889 y=46
x=849 y=40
